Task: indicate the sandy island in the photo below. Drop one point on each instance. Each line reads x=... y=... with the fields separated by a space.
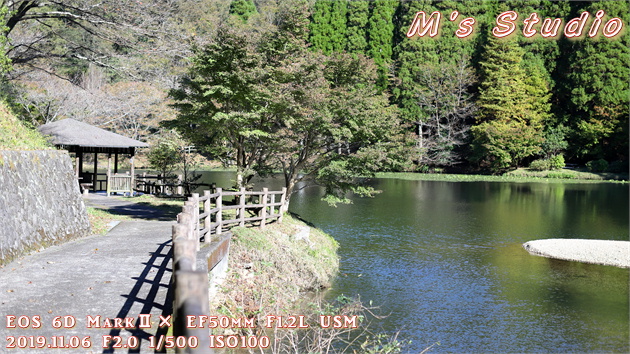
x=605 y=252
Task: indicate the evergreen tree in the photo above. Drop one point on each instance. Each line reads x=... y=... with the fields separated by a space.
x=243 y=9
x=541 y=54
x=598 y=89
x=321 y=27
x=411 y=54
x=509 y=120
x=338 y=13
x=358 y=12
x=381 y=37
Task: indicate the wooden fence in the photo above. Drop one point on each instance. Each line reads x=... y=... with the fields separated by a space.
x=119 y=183
x=262 y=206
x=191 y=286
x=158 y=184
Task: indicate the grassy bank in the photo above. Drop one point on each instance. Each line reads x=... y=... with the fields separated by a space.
x=14 y=135
x=270 y=268
x=519 y=175
x=100 y=220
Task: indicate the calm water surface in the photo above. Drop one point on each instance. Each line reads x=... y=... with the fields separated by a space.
x=445 y=260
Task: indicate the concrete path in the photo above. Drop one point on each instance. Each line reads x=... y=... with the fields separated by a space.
x=605 y=252
x=121 y=275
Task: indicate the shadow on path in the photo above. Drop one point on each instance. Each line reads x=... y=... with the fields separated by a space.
x=136 y=210
x=144 y=294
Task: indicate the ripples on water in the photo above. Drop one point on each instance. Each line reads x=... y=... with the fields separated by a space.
x=445 y=260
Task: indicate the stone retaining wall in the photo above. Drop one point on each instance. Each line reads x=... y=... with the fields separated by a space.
x=40 y=203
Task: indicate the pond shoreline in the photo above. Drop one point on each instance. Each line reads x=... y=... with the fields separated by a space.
x=579 y=177
x=603 y=252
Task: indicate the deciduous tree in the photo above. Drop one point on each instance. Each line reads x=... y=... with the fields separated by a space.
x=271 y=103
x=443 y=96
x=220 y=108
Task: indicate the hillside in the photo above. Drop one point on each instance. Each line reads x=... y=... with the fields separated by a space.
x=14 y=135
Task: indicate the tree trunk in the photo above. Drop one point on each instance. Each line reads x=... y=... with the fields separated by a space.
x=239 y=179
x=290 y=184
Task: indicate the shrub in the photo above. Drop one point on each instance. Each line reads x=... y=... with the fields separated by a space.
x=540 y=165
x=597 y=165
x=556 y=162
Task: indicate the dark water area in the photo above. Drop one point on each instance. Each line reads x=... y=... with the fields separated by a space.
x=445 y=261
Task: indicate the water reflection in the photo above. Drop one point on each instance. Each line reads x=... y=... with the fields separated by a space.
x=445 y=260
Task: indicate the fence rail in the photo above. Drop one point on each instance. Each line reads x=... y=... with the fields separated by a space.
x=190 y=285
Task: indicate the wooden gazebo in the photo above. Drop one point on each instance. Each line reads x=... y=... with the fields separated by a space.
x=81 y=138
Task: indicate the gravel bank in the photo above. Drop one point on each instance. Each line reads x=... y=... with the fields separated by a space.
x=612 y=253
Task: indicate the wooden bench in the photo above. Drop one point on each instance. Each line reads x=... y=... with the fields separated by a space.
x=85 y=187
x=85 y=182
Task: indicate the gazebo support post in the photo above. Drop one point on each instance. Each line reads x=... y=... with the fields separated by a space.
x=95 y=171
x=115 y=163
x=109 y=172
x=80 y=161
x=133 y=174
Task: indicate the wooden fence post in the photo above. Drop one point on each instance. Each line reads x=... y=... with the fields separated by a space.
x=242 y=208
x=191 y=299
x=184 y=255
x=195 y=199
x=207 y=221
x=180 y=186
x=186 y=219
x=263 y=214
x=180 y=230
x=189 y=211
x=219 y=217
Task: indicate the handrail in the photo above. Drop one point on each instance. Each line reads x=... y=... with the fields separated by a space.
x=191 y=286
x=262 y=203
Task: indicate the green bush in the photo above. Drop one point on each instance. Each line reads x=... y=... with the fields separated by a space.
x=540 y=165
x=556 y=162
x=597 y=165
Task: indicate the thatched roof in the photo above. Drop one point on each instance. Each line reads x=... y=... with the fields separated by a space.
x=70 y=132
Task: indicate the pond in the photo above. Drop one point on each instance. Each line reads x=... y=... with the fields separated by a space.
x=444 y=260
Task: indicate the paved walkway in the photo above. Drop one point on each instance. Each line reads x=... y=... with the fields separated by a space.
x=122 y=274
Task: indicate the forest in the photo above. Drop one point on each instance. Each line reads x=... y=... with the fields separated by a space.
x=331 y=90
